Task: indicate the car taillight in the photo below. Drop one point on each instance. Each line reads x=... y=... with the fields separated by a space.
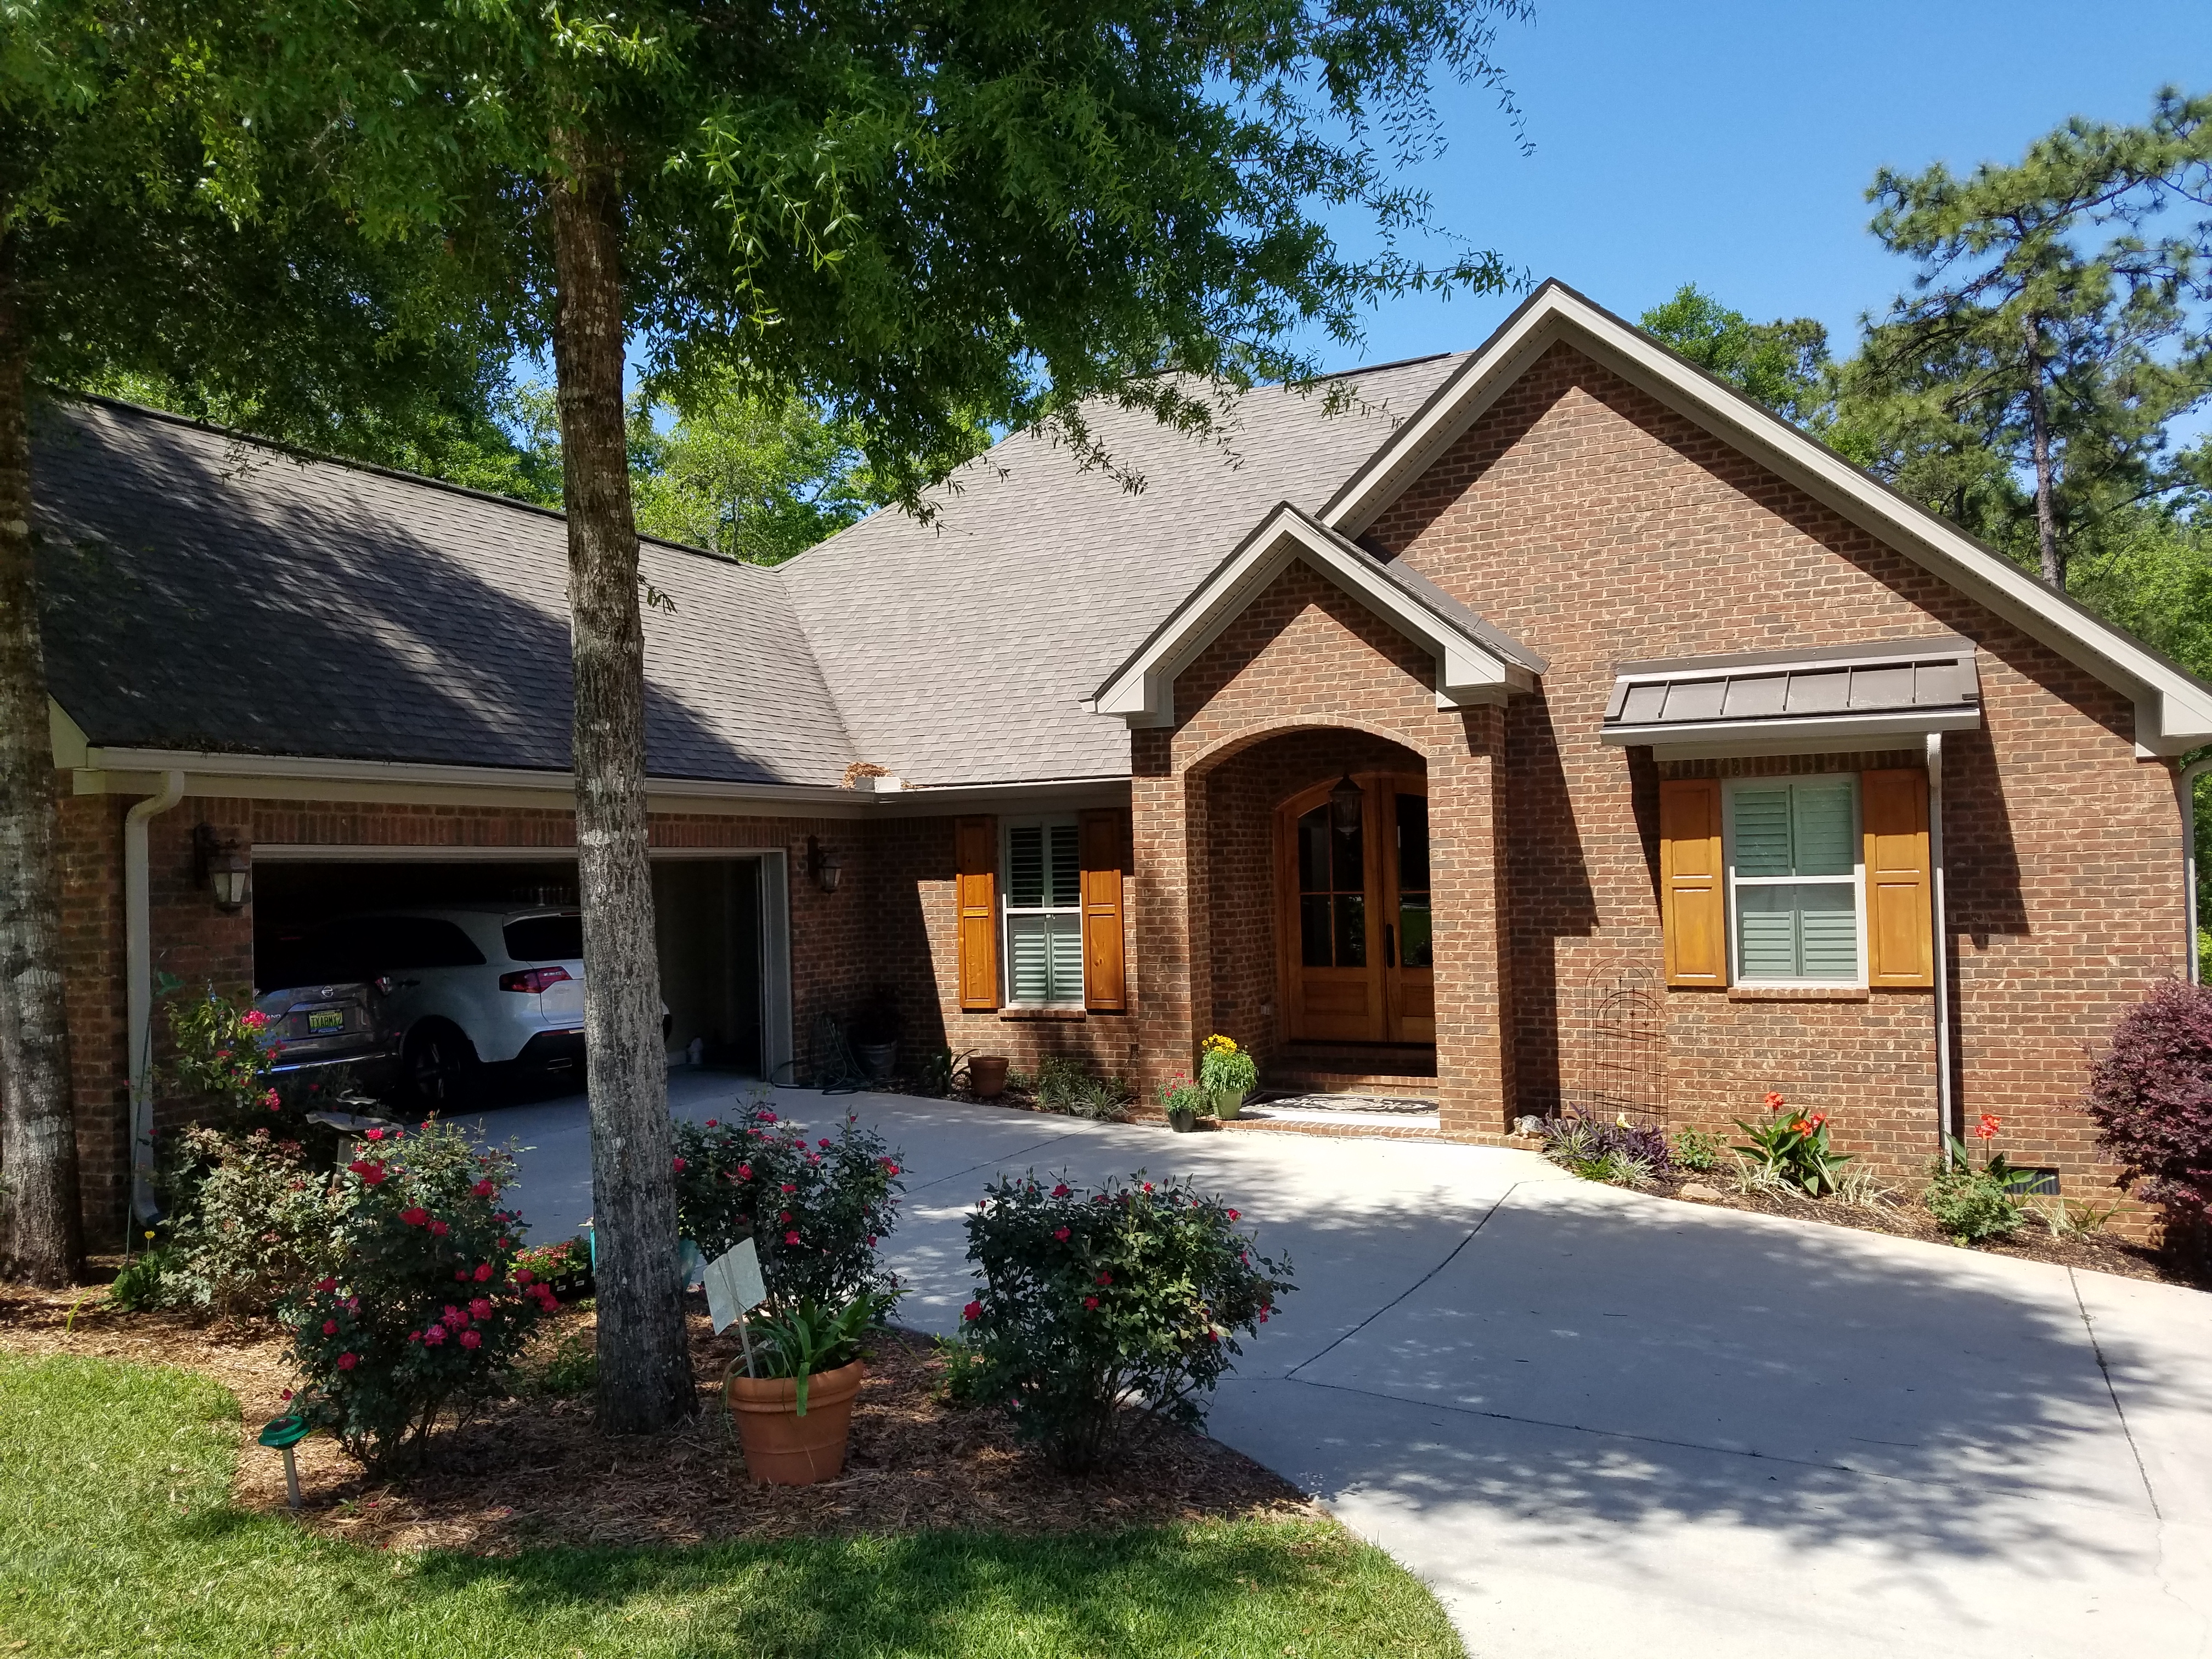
x=532 y=980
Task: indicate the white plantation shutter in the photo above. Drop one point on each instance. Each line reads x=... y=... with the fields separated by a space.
x=1044 y=913
x=1794 y=851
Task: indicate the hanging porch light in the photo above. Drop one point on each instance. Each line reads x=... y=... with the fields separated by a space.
x=1345 y=803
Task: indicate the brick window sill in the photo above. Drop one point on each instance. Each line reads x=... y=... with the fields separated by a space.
x=1018 y=1012
x=1799 y=993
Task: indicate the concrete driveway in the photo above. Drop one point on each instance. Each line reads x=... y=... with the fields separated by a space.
x=1601 y=1422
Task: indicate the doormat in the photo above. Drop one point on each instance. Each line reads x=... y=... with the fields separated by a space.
x=1397 y=1105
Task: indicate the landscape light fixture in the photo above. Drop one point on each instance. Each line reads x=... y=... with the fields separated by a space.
x=822 y=865
x=218 y=864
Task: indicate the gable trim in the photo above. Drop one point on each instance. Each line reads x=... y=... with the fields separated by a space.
x=2174 y=707
x=1475 y=663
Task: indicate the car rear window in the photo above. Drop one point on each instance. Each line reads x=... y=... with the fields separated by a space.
x=546 y=938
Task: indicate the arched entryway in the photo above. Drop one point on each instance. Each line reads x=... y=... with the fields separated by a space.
x=1352 y=911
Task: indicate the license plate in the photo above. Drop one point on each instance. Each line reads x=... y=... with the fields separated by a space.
x=326 y=1019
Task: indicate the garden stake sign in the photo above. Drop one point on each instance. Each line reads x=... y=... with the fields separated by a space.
x=733 y=1284
x=283 y=1433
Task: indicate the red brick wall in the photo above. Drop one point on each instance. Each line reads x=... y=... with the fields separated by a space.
x=1598 y=526
x=90 y=846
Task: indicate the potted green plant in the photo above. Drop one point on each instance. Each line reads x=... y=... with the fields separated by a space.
x=1180 y=1100
x=794 y=1414
x=1226 y=1074
x=875 y=1033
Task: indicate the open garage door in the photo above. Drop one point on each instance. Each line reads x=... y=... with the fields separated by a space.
x=493 y=917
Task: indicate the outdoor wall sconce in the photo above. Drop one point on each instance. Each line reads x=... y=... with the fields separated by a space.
x=1344 y=802
x=218 y=863
x=821 y=864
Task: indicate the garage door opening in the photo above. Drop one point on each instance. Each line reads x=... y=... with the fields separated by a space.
x=459 y=921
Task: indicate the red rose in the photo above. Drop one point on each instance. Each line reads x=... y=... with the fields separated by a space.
x=791 y=1238
x=1232 y=1215
x=788 y=1188
x=415 y=1215
x=432 y=1336
x=460 y=1275
x=326 y=1284
x=414 y=1336
x=767 y=1116
x=347 y=1361
x=679 y=1166
x=439 y=1229
x=1061 y=1235
x=1060 y=1191
x=1089 y=1302
x=479 y=1309
x=745 y=1172
x=472 y=1340
x=329 y=1327
x=484 y=1272
x=974 y=1310
x=523 y=1276
x=1105 y=1279
x=712 y=1124
x=485 y=1188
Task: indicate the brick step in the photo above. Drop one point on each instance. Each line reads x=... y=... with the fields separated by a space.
x=1390 y=1084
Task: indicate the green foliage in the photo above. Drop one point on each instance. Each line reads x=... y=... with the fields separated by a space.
x=2028 y=348
x=1784 y=364
x=1066 y=1082
x=807 y=1338
x=262 y=1221
x=570 y=1370
x=1793 y=1149
x=222 y=1059
x=1971 y=1205
x=120 y=1538
x=814 y=1211
x=140 y=1284
x=1179 y=1094
x=1226 y=1069
x=1696 y=1151
x=1094 y=1298
x=424 y=1309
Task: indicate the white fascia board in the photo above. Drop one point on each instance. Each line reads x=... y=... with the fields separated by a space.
x=1142 y=691
x=2173 y=711
x=1810 y=734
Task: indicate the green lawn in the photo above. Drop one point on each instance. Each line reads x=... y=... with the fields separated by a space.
x=116 y=1538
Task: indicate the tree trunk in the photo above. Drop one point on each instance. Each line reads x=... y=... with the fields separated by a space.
x=2039 y=415
x=41 y=1229
x=645 y=1380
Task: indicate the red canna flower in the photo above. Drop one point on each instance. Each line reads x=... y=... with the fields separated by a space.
x=1987 y=1128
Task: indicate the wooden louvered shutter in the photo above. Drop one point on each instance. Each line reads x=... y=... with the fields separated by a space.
x=1900 y=910
x=975 y=894
x=1105 y=977
x=1693 y=883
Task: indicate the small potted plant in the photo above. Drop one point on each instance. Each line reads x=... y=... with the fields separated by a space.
x=1180 y=1100
x=986 y=1075
x=1226 y=1074
x=794 y=1414
x=875 y=1035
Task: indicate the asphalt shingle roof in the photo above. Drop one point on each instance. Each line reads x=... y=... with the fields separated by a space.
x=204 y=592
x=960 y=651
x=200 y=592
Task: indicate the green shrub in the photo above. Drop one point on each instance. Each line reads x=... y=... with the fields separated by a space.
x=570 y=1369
x=427 y=1310
x=1066 y=1084
x=814 y=1211
x=1696 y=1151
x=262 y=1222
x=1971 y=1205
x=1094 y=1298
x=1794 y=1149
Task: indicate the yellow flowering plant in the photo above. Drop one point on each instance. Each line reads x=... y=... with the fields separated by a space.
x=1226 y=1069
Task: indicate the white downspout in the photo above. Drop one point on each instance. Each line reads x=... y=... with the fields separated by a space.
x=1946 y=1112
x=138 y=979
x=2186 y=786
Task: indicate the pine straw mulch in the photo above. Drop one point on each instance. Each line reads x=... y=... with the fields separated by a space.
x=1903 y=1218
x=534 y=1471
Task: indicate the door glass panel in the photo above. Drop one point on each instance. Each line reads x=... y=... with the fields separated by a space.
x=1347 y=870
x=1313 y=851
x=1313 y=930
x=1351 y=930
x=1414 y=950
x=1414 y=843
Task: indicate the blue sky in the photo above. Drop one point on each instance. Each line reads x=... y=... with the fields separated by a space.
x=1730 y=144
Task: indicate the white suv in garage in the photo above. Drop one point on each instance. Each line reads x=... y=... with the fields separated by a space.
x=470 y=985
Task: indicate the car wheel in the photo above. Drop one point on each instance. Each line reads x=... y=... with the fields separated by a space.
x=440 y=1066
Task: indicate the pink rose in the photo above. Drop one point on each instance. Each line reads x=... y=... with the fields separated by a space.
x=788 y=1188
x=432 y=1336
x=523 y=1276
x=271 y=1099
x=254 y=1020
x=790 y=1239
x=472 y=1340
x=767 y=1116
x=1061 y=1235
x=1232 y=1215
x=479 y=1309
x=745 y=1172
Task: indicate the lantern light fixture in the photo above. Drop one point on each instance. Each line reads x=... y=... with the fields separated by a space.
x=220 y=866
x=1346 y=802
x=822 y=865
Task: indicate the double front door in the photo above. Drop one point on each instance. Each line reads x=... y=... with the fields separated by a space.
x=1352 y=876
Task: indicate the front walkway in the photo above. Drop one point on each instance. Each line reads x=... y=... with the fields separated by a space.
x=1603 y=1423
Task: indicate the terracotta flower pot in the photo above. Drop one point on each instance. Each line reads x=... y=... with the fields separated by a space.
x=781 y=1447
x=986 y=1075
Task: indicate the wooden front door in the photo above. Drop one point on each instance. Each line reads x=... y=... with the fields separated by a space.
x=1353 y=906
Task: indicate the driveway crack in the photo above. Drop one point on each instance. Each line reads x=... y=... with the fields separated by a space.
x=1449 y=1257
x=2103 y=1368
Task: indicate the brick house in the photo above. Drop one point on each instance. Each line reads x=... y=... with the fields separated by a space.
x=1541 y=725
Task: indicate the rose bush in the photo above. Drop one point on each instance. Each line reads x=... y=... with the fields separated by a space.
x=262 y=1221
x=428 y=1310
x=815 y=1208
x=1090 y=1299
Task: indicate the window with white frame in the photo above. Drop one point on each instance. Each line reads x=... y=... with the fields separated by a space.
x=1043 y=913
x=1794 y=880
